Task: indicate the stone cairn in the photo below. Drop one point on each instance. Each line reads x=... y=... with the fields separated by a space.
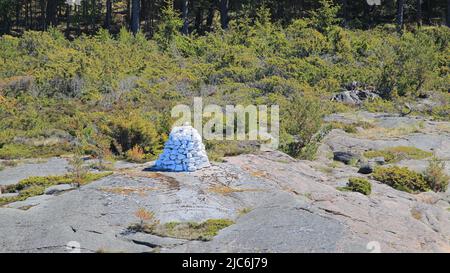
x=184 y=151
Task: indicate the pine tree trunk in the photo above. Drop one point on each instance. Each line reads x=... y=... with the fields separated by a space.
x=185 y=29
x=448 y=13
x=210 y=18
x=44 y=13
x=199 y=20
x=400 y=12
x=51 y=13
x=419 y=12
x=224 y=13
x=68 y=9
x=108 y=17
x=345 y=10
x=135 y=11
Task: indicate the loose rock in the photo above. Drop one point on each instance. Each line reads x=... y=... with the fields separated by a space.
x=183 y=152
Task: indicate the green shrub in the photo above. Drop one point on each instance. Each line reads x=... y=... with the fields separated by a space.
x=36 y=185
x=217 y=150
x=360 y=185
x=401 y=178
x=204 y=231
x=134 y=130
x=379 y=105
x=436 y=176
x=20 y=151
x=302 y=120
x=121 y=88
x=135 y=155
x=42 y=181
x=31 y=191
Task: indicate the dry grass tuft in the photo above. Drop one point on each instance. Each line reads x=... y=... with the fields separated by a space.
x=142 y=191
x=226 y=190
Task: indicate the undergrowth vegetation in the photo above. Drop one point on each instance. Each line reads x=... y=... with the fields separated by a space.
x=103 y=93
x=398 y=153
x=357 y=184
x=36 y=185
x=401 y=178
x=203 y=231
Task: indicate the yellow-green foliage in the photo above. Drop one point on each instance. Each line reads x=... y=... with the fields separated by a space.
x=17 y=151
x=401 y=178
x=360 y=185
x=118 y=91
x=379 y=105
x=36 y=185
x=217 y=150
x=204 y=231
x=436 y=176
x=398 y=153
x=302 y=120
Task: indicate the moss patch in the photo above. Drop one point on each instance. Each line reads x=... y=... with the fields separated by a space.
x=17 y=151
x=398 y=153
x=203 y=231
x=36 y=185
x=401 y=178
x=357 y=184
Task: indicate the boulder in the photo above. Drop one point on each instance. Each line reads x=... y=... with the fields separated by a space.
x=366 y=168
x=13 y=194
x=345 y=157
x=354 y=97
x=377 y=160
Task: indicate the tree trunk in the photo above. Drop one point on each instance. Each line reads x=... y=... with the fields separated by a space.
x=224 y=13
x=185 y=29
x=108 y=17
x=419 y=12
x=210 y=18
x=18 y=8
x=51 y=13
x=135 y=11
x=128 y=14
x=199 y=20
x=345 y=10
x=68 y=9
x=448 y=13
x=400 y=12
x=43 y=5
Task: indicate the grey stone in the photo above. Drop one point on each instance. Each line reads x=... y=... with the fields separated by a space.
x=377 y=160
x=354 y=97
x=345 y=157
x=58 y=189
x=30 y=202
x=7 y=195
x=52 y=166
x=366 y=168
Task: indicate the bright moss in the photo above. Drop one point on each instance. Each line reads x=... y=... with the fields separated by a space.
x=18 y=151
x=204 y=231
x=36 y=185
x=360 y=185
x=357 y=184
x=398 y=153
x=401 y=178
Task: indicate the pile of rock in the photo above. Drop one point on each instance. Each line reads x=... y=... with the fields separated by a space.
x=355 y=93
x=184 y=151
